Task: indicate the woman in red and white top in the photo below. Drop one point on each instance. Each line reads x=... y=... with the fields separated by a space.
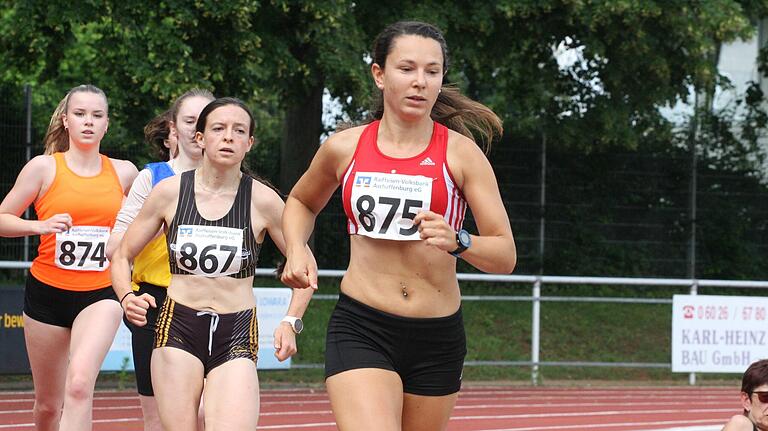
x=71 y=313
x=396 y=344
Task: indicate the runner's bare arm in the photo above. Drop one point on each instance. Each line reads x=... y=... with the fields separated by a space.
x=26 y=190
x=493 y=249
x=308 y=197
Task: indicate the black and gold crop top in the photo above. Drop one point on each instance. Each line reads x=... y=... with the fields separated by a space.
x=212 y=248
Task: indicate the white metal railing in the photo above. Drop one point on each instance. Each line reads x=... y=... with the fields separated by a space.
x=537 y=281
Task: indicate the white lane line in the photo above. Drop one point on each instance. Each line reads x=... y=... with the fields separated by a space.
x=567 y=405
x=557 y=401
x=582 y=414
x=617 y=424
x=520 y=396
x=533 y=415
x=96 y=421
x=459 y=407
x=20 y=400
x=705 y=428
x=547 y=427
x=297 y=412
x=279 y=427
x=293 y=403
x=136 y=407
x=522 y=415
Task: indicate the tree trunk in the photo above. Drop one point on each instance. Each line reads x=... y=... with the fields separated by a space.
x=302 y=127
x=301 y=137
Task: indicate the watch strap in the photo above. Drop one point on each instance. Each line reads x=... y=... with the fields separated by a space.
x=460 y=247
x=291 y=320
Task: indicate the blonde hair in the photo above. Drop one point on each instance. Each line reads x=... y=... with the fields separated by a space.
x=56 y=139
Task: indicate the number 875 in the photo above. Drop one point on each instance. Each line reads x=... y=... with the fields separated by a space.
x=366 y=204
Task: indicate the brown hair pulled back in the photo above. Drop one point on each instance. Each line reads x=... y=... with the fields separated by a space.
x=156 y=134
x=453 y=109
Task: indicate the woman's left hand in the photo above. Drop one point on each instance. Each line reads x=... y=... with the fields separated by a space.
x=285 y=341
x=435 y=231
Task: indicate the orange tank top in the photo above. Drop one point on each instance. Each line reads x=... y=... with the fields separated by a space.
x=76 y=259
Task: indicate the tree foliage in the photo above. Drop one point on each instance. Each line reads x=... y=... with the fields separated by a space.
x=567 y=66
x=590 y=75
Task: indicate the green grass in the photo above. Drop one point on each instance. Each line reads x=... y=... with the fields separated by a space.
x=501 y=331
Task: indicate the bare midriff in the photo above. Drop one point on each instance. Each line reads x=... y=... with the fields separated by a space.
x=405 y=278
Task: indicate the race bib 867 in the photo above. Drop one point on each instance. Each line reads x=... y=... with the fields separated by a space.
x=210 y=251
x=384 y=205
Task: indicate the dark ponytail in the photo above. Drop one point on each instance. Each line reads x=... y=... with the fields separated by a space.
x=453 y=109
x=156 y=134
x=464 y=115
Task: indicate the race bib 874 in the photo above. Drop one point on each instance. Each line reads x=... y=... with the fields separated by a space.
x=384 y=205
x=210 y=251
x=82 y=248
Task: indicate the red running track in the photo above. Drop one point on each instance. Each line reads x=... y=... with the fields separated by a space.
x=478 y=409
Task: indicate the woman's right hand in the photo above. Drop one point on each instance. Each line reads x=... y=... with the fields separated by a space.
x=135 y=308
x=55 y=224
x=300 y=270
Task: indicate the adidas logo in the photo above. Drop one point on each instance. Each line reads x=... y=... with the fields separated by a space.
x=427 y=162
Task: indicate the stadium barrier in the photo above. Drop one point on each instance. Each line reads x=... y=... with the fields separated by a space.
x=536 y=298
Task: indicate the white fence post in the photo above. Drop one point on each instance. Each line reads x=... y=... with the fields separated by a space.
x=694 y=291
x=535 y=331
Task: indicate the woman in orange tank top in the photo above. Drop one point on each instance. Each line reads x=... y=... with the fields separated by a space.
x=71 y=313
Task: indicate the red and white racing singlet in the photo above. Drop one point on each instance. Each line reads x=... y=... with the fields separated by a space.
x=382 y=194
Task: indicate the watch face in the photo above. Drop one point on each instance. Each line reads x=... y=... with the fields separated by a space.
x=298 y=325
x=464 y=238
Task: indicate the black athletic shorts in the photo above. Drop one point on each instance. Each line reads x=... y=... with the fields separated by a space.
x=427 y=353
x=143 y=338
x=56 y=306
x=212 y=338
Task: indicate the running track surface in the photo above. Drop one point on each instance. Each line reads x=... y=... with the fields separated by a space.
x=478 y=409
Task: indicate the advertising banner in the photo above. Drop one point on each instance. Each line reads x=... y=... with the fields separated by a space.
x=12 y=349
x=271 y=306
x=718 y=334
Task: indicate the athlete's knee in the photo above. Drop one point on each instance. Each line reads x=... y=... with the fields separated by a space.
x=79 y=388
x=47 y=410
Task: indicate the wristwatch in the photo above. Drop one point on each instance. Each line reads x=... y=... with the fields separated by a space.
x=296 y=323
x=463 y=242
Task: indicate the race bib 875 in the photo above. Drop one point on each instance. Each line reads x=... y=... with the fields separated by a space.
x=384 y=205
x=82 y=248
x=210 y=251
